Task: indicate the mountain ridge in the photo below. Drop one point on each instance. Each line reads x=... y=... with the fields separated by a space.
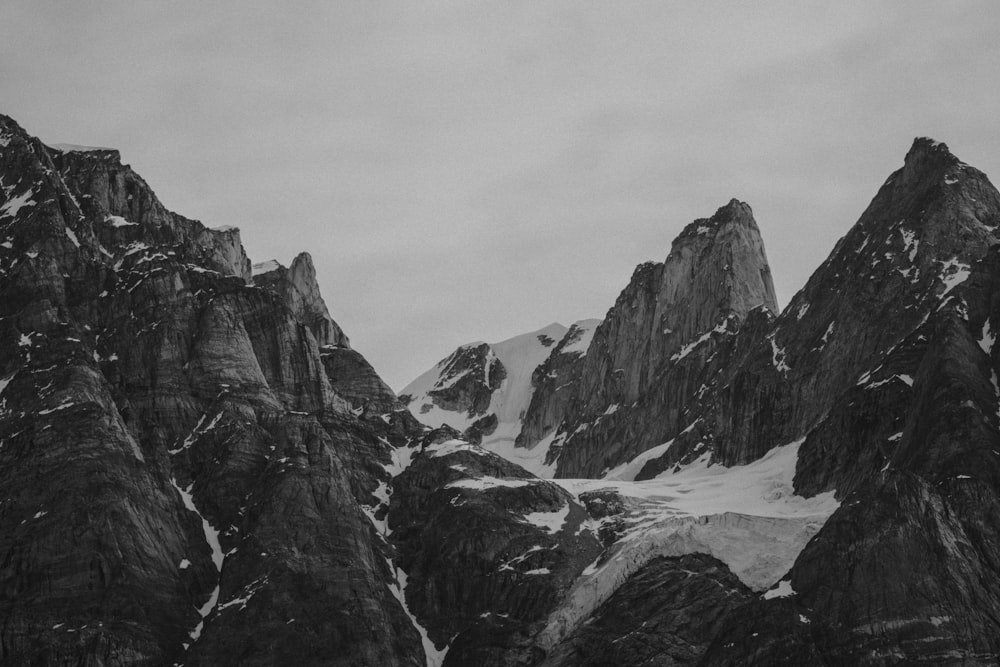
x=200 y=469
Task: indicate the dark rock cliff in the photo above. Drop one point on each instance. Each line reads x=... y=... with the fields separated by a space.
x=928 y=223
x=554 y=383
x=196 y=466
x=177 y=466
x=647 y=361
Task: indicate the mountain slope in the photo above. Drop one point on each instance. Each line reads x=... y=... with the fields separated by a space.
x=176 y=462
x=651 y=358
x=198 y=468
x=485 y=389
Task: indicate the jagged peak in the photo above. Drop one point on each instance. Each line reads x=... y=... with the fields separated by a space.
x=926 y=158
x=735 y=212
x=735 y=209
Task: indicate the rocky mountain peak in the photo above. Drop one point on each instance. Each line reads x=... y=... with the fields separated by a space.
x=715 y=274
x=297 y=284
x=924 y=157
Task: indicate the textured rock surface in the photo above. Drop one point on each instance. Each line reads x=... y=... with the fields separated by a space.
x=885 y=367
x=181 y=480
x=455 y=505
x=665 y=614
x=930 y=219
x=553 y=384
x=487 y=391
x=649 y=359
x=297 y=284
x=465 y=383
x=197 y=468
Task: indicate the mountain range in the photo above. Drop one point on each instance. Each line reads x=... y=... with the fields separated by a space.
x=197 y=467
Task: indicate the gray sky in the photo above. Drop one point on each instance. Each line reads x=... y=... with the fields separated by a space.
x=469 y=171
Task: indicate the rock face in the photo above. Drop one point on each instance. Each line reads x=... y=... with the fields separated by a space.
x=928 y=223
x=553 y=383
x=882 y=370
x=176 y=463
x=197 y=468
x=665 y=614
x=454 y=506
x=301 y=293
x=639 y=380
x=488 y=391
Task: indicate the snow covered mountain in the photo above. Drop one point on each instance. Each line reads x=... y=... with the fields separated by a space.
x=485 y=390
x=732 y=486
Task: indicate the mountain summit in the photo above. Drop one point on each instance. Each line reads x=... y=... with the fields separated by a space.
x=198 y=468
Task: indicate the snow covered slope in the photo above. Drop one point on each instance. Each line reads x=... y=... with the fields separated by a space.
x=485 y=389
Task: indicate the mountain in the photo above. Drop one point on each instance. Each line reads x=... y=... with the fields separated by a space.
x=199 y=468
x=487 y=389
x=176 y=458
x=870 y=403
x=633 y=381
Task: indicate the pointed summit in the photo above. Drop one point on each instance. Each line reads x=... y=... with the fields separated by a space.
x=926 y=159
x=715 y=274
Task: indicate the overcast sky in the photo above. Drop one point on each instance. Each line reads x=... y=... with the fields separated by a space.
x=468 y=171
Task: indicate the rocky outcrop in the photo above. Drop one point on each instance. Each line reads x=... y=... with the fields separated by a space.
x=177 y=465
x=297 y=285
x=553 y=384
x=486 y=390
x=928 y=223
x=639 y=380
x=455 y=504
x=464 y=384
x=667 y=613
x=197 y=468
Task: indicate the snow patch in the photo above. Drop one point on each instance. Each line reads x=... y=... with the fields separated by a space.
x=746 y=516
x=778 y=356
x=910 y=243
x=264 y=267
x=583 y=331
x=212 y=538
x=953 y=274
x=450 y=447
x=484 y=483
x=71 y=235
x=76 y=148
x=13 y=205
x=520 y=356
x=722 y=327
x=988 y=338
x=550 y=521
x=435 y=656
x=118 y=221
x=782 y=590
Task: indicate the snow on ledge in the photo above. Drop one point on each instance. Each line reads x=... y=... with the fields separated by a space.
x=76 y=148
x=265 y=267
x=746 y=516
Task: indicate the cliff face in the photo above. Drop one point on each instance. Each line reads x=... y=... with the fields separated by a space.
x=196 y=466
x=199 y=469
x=175 y=460
x=639 y=377
x=507 y=395
x=553 y=384
x=879 y=383
x=929 y=222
